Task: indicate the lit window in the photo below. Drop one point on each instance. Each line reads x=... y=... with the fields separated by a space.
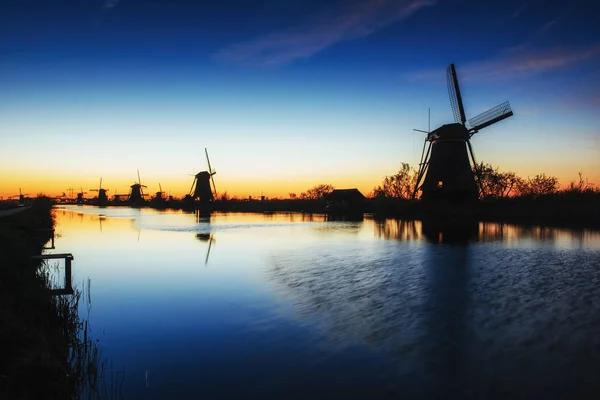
x=440 y=184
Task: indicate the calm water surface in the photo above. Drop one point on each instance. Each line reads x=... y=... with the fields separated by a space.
x=292 y=306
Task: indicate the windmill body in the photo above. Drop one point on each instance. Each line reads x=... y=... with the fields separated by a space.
x=136 y=193
x=449 y=175
x=445 y=170
x=201 y=186
x=80 y=198
x=102 y=198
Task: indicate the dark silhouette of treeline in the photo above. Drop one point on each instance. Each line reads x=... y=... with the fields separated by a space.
x=503 y=196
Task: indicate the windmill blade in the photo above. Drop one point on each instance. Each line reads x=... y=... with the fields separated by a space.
x=422 y=168
x=160 y=187
x=208 y=160
x=214 y=187
x=491 y=116
x=139 y=180
x=192 y=187
x=210 y=240
x=455 y=98
x=420 y=130
x=477 y=171
x=210 y=171
x=100 y=187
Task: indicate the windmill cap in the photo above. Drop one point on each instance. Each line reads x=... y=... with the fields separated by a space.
x=450 y=132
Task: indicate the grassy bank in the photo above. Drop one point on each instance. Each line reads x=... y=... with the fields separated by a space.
x=42 y=352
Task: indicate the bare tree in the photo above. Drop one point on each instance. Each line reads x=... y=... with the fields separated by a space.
x=398 y=186
x=317 y=192
x=583 y=186
x=496 y=184
x=540 y=185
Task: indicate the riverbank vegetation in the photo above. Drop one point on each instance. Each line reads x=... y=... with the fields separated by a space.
x=45 y=352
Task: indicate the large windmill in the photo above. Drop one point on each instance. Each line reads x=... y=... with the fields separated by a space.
x=102 y=198
x=136 y=195
x=201 y=188
x=446 y=167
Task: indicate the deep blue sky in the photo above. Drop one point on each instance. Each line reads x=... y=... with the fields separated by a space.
x=287 y=94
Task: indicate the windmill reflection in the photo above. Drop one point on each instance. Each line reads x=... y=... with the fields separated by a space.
x=446 y=344
x=411 y=306
x=202 y=217
x=450 y=231
x=206 y=237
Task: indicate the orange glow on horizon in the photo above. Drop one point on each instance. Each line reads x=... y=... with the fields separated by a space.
x=276 y=188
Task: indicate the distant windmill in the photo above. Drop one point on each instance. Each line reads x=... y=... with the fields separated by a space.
x=160 y=193
x=201 y=188
x=80 y=195
x=136 y=195
x=446 y=166
x=21 y=197
x=102 y=198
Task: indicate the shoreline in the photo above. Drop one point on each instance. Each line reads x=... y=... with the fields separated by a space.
x=563 y=209
x=43 y=350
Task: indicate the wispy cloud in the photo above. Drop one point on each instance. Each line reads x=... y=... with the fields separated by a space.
x=281 y=48
x=519 y=10
x=520 y=61
x=546 y=27
x=110 y=3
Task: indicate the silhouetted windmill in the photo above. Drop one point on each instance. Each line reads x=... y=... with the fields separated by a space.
x=159 y=195
x=102 y=198
x=21 y=197
x=201 y=188
x=446 y=165
x=80 y=195
x=136 y=195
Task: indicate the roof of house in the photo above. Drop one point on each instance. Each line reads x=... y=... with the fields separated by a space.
x=345 y=195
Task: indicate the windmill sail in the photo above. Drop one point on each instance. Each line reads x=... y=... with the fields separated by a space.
x=211 y=172
x=455 y=98
x=491 y=116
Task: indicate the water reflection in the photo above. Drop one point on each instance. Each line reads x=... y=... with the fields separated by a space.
x=451 y=231
x=446 y=342
x=206 y=237
x=398 y=229
x=301 y=305
x=471 y=231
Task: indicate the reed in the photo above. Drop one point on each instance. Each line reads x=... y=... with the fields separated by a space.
x=46 y=350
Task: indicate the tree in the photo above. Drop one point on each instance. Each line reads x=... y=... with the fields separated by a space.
x=495 y=184
x=399 y=186
x=293 y=196
x=317 y=192
x=225 y=196
x=583 y=186
x=540 y=185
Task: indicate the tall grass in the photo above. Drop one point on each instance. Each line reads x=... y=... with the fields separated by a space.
x=46 y=347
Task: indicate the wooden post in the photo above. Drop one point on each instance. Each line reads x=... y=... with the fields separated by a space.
x=68 y=280
x=68 y=257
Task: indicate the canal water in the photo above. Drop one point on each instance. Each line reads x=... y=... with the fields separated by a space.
x=294 y=306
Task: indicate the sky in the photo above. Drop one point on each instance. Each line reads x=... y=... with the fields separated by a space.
x=288 y=94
